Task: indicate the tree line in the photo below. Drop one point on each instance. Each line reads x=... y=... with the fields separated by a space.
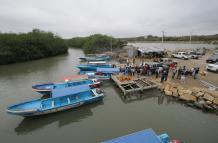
x=30 y=46
x=96 y=43
x=203 y=38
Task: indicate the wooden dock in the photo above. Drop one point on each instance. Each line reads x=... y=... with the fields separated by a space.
x=134 y=85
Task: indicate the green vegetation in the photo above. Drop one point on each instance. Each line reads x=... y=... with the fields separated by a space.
x=29 y=46
x=203 y=38
x=95 y=43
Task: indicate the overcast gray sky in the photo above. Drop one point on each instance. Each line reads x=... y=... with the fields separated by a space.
x=120 y=18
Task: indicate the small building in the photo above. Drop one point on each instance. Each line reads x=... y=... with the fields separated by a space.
x=141 y=50
x=132 y=51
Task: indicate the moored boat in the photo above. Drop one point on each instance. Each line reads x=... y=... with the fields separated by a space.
x=95 y=75
x=92 y=66
x=46 y=89
x=62 y=99
x=144 y=136
x=96 y=58
x=101 y=73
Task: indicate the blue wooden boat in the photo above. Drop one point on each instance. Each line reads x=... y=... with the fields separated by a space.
x=96 y=58
x=95 y=75
x=101 y=73
x=62 y=99
x=92 y=66
x=108 y=70
x=46 y=89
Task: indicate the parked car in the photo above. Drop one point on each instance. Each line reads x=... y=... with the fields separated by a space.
x=167 y=61
x=201 y=51
x=193 y=55
x=153 y=66
x=212 y=67
x=212 y=59
x=215 y=52
x=181 y=55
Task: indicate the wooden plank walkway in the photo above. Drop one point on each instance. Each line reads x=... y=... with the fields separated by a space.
x=137 y=84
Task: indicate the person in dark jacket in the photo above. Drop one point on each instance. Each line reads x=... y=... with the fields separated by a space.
x=163 y=75
x=179 y=73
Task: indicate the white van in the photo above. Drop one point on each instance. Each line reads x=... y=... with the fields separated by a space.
x=181 y=55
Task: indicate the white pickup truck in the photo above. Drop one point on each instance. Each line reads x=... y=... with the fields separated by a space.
x=212 y=67
x=181 y=55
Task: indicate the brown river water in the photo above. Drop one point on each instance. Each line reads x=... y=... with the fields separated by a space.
x=113 y=117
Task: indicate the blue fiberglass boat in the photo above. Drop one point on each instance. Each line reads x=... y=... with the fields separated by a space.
x=96 y=58
x=62 y=99
x=101 y=73
x=144 y=136
x=46 y=89
x=92 y=66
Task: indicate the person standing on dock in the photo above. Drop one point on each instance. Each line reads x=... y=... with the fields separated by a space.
x=193 y=72
x=145 y=70
x=148 y=70
x=174 y=72
x=132 y=71
x=167 y=73
x=126 y=71
x=179 y=73
x=163 y=76
x=137 y=69
x=196 y=72
x=157 y=72
x=183 y=78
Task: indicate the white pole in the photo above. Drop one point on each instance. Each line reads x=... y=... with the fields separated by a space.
x=111 y=45
x=162 y=38
x=191 y=37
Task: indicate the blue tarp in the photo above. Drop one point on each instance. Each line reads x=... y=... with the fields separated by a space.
x=108 y=70
x=70 y=90
x=145 y=136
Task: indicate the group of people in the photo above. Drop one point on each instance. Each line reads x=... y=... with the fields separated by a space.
x=181 y=73
x=139 y=70
x=163 y=71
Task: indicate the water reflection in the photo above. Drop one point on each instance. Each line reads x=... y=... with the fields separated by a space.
x=63 y=118
x=43 y=65
x=147 y=94
x=160 y=99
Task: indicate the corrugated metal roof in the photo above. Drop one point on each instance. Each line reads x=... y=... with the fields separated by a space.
x=150 y=49
x=144 y=136
x=147 y=49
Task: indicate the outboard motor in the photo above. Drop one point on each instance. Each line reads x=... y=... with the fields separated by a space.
x=99 y=91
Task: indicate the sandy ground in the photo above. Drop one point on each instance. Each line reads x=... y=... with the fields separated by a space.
x=190 y=82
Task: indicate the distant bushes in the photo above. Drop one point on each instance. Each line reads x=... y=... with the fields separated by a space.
x=95 y=43
x=29 y=46
x=204 y=38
